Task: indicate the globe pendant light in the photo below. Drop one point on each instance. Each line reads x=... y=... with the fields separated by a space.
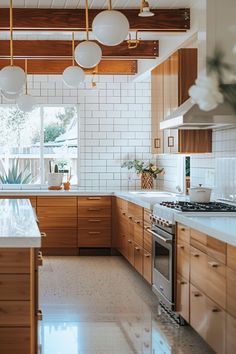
x=26 y=103
x=12 y=77
x=73 y=76
x=88 y=54
x=10 y=96
x=110 y=27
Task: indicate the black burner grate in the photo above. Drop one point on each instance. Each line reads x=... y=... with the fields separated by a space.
x=213 y=207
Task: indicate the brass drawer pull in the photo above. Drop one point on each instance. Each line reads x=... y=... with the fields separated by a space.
x=213 y=264
x=129 y=241
x=183 y=229
x=147 y=255
x=197 y=294
x=137 y=248
x=94 y=209
x=138 y=222
x=147 y=228
x=183 y=283
x=181 y=246
x=94 y=220
x=94 y=232
x=216 y=309
x=43 y=234
x=196 y=255
x=94 y=198
x=130 y=217
x=39 y=315
x=123 y=213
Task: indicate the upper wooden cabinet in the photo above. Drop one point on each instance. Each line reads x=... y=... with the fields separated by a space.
x=170 y=82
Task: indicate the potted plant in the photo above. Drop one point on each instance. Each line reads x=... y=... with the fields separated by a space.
x=54 y=178
x=147 y=170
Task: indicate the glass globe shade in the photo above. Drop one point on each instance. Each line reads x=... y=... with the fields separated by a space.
x=73 y=76
x=12 y=79
x=88 y=54
x=10 y=96
x=26 y=103
x=110 y=27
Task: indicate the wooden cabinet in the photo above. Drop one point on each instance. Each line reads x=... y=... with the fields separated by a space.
x=94 y=221
x=147 y=266
x=183 y=264
x=208 y=319
x=230 y=334
x=171 y=81
x=231 y=300
x=138 y=258
x=183 y=233
x=198 y=264
x=18 y=301
x=182 y=297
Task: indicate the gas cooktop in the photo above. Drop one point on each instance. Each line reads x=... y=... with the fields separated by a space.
x=212 y=207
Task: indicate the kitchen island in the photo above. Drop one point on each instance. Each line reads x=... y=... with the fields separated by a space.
x=20 y=239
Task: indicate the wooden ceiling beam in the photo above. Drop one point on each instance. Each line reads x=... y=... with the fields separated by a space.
x=56 y=67
x=40 y=48
x=74 y=19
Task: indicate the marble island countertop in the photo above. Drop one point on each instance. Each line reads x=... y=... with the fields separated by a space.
x=222 y=228
x=18 y=227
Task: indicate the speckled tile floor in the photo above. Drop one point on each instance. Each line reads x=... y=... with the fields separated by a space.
x=100 y=305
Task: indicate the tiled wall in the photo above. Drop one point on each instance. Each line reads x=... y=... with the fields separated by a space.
x=115 y=123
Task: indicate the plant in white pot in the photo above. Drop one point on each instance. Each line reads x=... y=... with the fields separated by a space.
x=54 y=178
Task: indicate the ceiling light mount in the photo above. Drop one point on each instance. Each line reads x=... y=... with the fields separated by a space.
x=145 y=9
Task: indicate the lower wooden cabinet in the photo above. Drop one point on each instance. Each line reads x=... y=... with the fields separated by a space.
x=138 y=258
x=59 y=238
x=130 y=251
x=230 y=335
x=183 y=264
x=208 y=319
x=15 y=340
x=94 y=238
x=182 y=297
x=147 y=266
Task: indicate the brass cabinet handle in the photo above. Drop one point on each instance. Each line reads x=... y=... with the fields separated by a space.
x=94 y=220
x=137 y=248
x=171 y=141
x=94 y=209
x=130 y=217
x=130 y=241
x=94 y=232
x=213 y=264
x=147 y=228
x=216 y=309
x=195 y=255
x=123 y=213
x=183 y=283
x=39 y=315
x=182 y=229
x=157 y=143
x=93 y=198
x=43 y=234
x=197 y=294
x=147 y=255
x=138 y=222
x=180 y=246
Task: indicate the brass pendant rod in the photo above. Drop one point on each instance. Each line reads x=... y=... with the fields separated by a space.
x=87 y=20
x=73 y=48
x=109 y=5
x=11 y=32
x=26 y=72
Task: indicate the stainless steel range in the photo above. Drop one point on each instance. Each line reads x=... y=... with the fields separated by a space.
x=163 y=231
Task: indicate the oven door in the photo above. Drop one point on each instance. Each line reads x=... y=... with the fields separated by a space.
x=163 y=263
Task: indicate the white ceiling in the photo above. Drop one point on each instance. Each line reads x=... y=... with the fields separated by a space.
x=96 y=4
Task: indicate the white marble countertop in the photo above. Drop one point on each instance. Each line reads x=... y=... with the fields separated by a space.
x=18 y=227
x=222 y=228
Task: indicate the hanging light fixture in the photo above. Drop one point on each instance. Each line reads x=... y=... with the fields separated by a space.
x=110 y=27
x=145 y=9
x=88 y=53
x=26 y=102
x=10 y=96
x=73 y=76
x=12 y=77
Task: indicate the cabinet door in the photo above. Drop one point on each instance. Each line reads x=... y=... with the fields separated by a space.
x=60 y=238
x=183 y=259
x=231 y=292
x=15 y=340
x=94 y=238
x=230 y=335
x=147 y=266
x=216 y=281
x=130 y=251
x=208 y=319
x=198 y=266
x=138 y=258
x=182 y=298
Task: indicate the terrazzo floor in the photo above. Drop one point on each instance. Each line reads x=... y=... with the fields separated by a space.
x=100 y=305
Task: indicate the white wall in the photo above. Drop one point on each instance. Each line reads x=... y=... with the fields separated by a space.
x=115 y=124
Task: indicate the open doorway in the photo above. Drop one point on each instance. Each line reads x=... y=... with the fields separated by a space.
x=187 y=173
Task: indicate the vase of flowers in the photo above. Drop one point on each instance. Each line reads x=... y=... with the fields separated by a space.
x=147 y=170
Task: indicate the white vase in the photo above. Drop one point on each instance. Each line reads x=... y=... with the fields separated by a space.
x=55 y=179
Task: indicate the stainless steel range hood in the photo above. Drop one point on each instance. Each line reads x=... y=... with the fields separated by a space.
x=189 y=116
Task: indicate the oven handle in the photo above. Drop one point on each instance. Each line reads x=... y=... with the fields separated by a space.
x=158 y=236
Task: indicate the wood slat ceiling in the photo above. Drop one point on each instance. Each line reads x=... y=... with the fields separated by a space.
x=95 y=4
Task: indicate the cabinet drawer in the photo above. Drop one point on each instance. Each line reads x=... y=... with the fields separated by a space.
x=94 y=223
x=138 y=235
x=138 y=258
x=198 y=240
x=183 y=233
x=122 y=204
x=147 y=215
x=147 y=241
x=130 y=250
x=14 y=261
x=147 y=266
x=198 y=266
x=182 y=298
x=59 y=212
x=94 y=201
x=135 y=211
x=57 y=223
x=216 y=249
x=15 y=340
x=208 y=319
x=230 y=335
x=92 y=238
x=16 y=313
x=94 y=211
x=14 y=287
x=59 y=238
x=231 y=257
x=183 y=259
x=216 y=281
x=56 y=201
x=231 y=292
